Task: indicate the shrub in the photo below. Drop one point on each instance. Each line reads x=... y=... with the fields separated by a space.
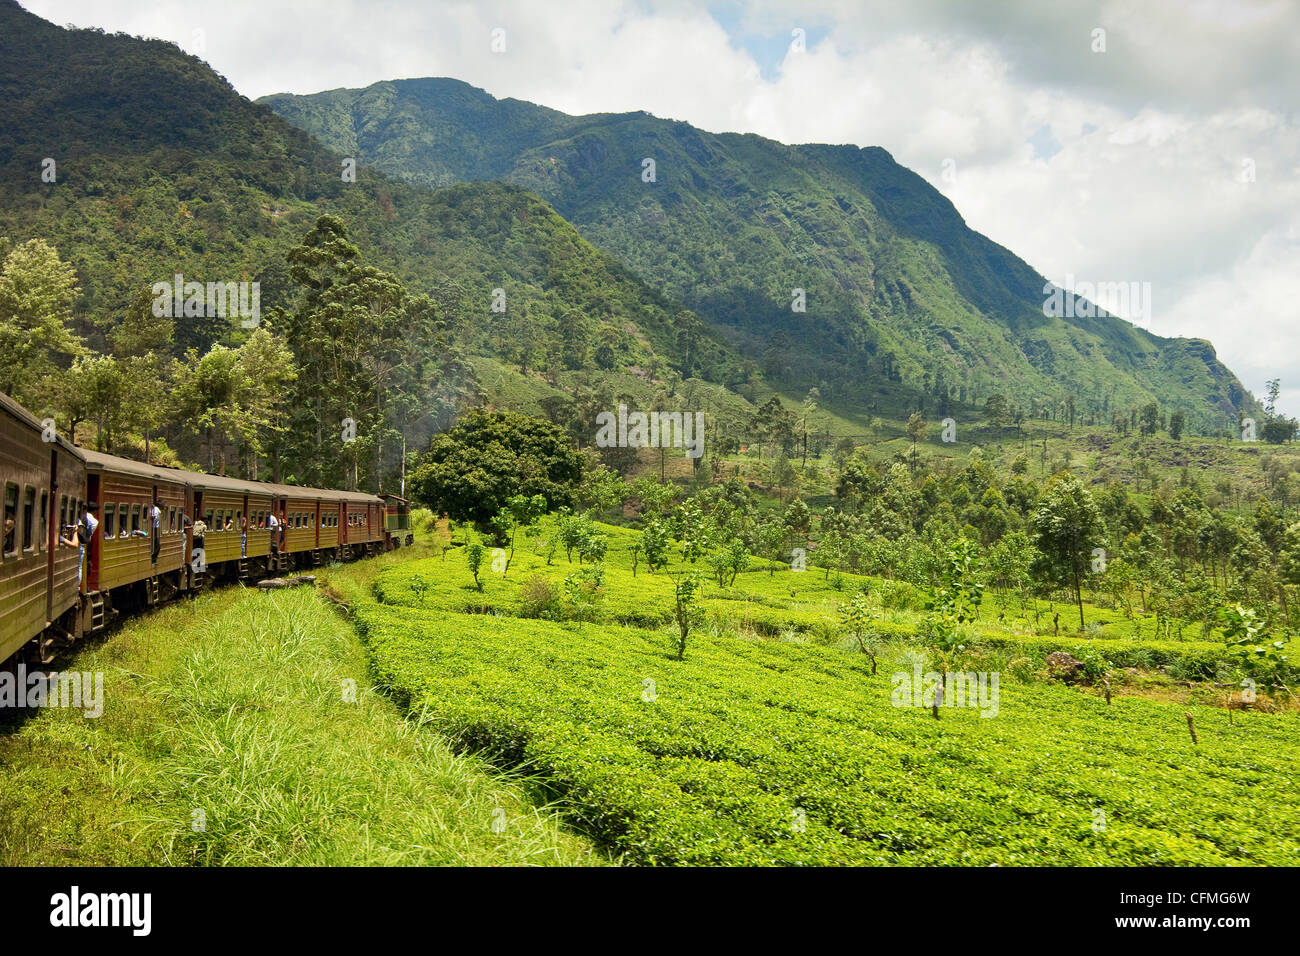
x=537 y=597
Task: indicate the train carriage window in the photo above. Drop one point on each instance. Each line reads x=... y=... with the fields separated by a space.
x=29 y=517
x=110 y=520
x=207 y=520
x=135 y=518
x=63 y=514
x=11 y=520
x=45 y=521
x=171 y=519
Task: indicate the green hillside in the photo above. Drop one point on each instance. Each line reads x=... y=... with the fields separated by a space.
x=160 y=167
x=905 y=304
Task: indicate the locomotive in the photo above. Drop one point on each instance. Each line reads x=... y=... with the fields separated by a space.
x=54 y=592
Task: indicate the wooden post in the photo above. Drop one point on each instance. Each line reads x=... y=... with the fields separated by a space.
x=1106 y=681
x=1191 y=727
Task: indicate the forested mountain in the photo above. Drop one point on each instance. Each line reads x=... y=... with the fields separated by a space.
x=905 y=304
x=159 y=167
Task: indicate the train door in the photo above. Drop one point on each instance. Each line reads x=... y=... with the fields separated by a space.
x=92 y=496
x=316 y=522
x=198 y=544
x=155 y=530
x=51 y=537
x=283 y=506
x=187 y=546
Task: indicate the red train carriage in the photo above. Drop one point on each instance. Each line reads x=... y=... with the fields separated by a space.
x=329 y=530
x=300 y=511
x=41 y=491
x=397 y=522
x=135 y=560
x=361 y=524
x=237 y=517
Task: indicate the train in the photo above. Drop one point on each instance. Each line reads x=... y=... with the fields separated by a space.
x=55 y=591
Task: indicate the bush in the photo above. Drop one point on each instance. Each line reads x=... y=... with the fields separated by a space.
x=537 y=597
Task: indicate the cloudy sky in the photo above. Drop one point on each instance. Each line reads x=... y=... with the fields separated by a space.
x=1151 y=141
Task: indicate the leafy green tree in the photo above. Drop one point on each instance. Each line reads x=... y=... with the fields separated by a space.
x=654 y=497
x=369 y=352
x=1149 y=419
x=37 y=292
x=574 y=529
x=1177 y=421
x=770 y=540
x=600 y=490
x=916 y=430
x=687 y=611
x=857 y=616
x=521 y=511
x=471 y=471
x=1067 y=526
x=654 y=541
x=474 y=552
x=728 y=562
x=830 y=553
x=692 y=530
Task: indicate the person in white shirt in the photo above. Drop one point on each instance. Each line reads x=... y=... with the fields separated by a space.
x=86 y=529
x=273 y=523
x=155 y=512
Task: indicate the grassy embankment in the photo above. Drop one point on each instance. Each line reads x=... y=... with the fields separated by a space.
x=228 y=738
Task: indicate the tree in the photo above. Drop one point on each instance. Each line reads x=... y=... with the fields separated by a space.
x=654 y=497
x=1149 y=419
x=916 y=430
x=37 y=292
x=520 y=511
x=654 y=541
x=997 y=410
x=686 y=610
x=474 y=560
x=692 y=529
x=600 y=490
x=809 y=406
x=857 y=617
x=371 y=353
x=470 y=471
x=831 y=553
x=1067 y=524
x=1176 y=422
x=770 y=537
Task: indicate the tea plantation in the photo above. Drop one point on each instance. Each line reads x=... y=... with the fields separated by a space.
x=772 y=742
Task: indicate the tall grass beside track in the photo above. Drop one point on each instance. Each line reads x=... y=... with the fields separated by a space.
x=226 y=739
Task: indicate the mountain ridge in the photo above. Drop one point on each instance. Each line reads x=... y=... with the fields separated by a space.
x=898 y=277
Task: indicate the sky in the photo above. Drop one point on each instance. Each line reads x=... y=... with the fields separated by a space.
x=1116 y=141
